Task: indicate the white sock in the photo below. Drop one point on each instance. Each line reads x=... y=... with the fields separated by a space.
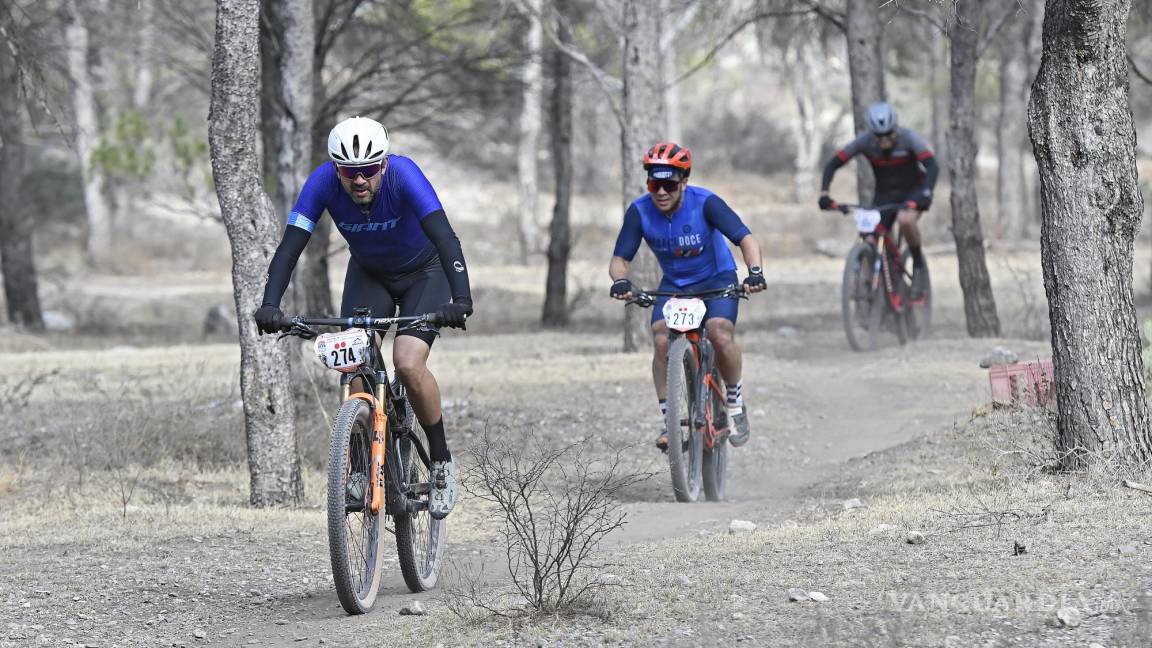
x=663 y=410
x=736 y=398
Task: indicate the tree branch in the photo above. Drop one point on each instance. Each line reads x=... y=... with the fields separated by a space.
x=711 y=55
x=934 y=20
x=1132 y=64
x=994 y=29
x=834 y=17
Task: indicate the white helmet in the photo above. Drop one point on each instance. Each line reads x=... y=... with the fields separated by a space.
x=358 y=140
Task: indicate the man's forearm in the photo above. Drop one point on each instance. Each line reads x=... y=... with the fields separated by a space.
x=750 y=248
x=619 y=268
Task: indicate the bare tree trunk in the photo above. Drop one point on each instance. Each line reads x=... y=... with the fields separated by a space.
x=17 y=261
x=319 y=288
x=531 y=79
x=979 y=305
x=99 y=242
x=643 y=117
x=1085 y=145
x=294 y=149
x=560 y=231
x=668 y=51
x=806 y=73
x=866 y=68
x=1035 y=52
x=936 y=45
x=1010 y=129
x=142 y=87
x=253 y=231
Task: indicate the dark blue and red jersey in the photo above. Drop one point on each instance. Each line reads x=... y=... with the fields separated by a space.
x=388 y=236
x=902 y=172
x=689 y=244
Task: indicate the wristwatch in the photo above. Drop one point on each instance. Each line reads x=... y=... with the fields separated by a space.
x=755 y=270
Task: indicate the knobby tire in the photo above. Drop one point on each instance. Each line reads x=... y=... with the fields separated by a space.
x=353 y=536
x=685 y=445
x=419 y=537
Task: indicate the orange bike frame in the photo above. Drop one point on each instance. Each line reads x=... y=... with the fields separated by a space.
x=711 y=385
x=379 y=447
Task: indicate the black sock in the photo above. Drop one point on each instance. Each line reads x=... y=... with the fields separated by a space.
x=917 y=256
x=437 y=444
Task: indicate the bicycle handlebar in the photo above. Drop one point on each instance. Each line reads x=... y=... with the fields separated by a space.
x=645 y=298
x=300 y=324
x=845 y=208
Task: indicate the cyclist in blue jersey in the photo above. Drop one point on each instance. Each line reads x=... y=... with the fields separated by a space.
x=404 y=255
x=686 y=228
x=905 y=171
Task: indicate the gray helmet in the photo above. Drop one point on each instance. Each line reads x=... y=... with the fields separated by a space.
x=881 y=119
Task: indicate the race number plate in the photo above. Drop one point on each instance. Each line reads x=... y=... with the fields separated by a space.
x=867 y=220
x=684 y=314
x=343 y=351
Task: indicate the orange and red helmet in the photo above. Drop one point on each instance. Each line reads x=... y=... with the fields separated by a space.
x=668 y=154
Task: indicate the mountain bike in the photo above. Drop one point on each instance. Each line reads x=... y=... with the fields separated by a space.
x=378 y=462
x=697 y=416
x=876 y=288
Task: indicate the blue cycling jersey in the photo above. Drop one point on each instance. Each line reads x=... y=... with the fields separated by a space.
x=689 y=245
x=388 y=236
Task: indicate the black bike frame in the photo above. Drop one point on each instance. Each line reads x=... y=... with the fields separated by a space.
x=374 y=373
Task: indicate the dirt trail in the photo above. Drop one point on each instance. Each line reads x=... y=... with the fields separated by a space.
x=815 y=405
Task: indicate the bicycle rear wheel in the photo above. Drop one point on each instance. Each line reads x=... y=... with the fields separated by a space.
x=685 y=445
x=419 y=537
x=917 y=314
x=353 y=530
x=715 y=460
x=861 y=303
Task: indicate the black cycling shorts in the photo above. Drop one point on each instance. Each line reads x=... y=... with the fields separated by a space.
x=416 y=292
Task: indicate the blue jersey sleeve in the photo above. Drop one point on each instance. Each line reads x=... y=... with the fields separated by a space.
x=313 y=197
x=721 y=216
x=628 y=241
x=417 y=193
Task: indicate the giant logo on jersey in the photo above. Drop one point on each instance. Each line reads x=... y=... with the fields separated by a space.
x=685 y=245
x=354 y=228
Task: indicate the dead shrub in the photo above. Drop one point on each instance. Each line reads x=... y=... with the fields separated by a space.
x=557 y=505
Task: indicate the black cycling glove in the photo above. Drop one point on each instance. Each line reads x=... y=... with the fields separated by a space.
x=826 y=202
x=620 y=287
x=755 y=278
x=268 y=318
x=454 y=314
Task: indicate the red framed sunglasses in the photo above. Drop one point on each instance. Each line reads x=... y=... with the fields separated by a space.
x=367 y=170
x=669 y=185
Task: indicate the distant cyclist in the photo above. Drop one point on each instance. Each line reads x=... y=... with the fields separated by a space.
x=404 y=254
x=686 y=228
x=905 y=171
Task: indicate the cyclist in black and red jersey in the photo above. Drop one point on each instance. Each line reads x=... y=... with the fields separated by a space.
x=905 y=171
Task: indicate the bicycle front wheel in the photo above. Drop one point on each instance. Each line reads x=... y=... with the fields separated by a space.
x=353 y=530
x=715 y=460
x=419 y=537
x=917 y=313
x=861 y=302
x=685 y=445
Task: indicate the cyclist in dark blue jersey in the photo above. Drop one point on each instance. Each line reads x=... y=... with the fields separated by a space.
x=404 y=255
x=686 y=228
x=905 y=171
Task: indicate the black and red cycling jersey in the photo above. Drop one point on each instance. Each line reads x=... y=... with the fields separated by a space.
x=907 y=171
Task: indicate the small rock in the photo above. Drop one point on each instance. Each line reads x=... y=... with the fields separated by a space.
x=786 y=331
x=610 y=579
x=198 y=633
x=1095 y=645
x=683 y=580
x=281 y=622
x=998 y=356
x=881 y=528
x=789 y=524
x=58 y=321
x=853 y=503
x=819 y=597
x=914 y=537
x=1126 y=550
x=796 y=594
x=741 y=526
x=736 y=616
x=413 y=609
x=1069 y=617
